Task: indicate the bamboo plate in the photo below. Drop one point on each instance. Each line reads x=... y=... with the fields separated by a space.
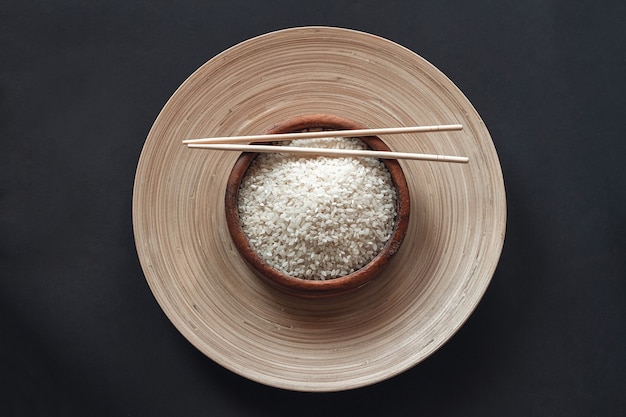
x=444 y=266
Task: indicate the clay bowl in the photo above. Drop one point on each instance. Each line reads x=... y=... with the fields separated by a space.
x=307 y=287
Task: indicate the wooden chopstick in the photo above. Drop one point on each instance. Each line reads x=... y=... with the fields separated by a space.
x=330 y=152
x=326 y=134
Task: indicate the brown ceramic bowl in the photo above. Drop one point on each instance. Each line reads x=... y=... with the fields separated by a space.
x=307 y=287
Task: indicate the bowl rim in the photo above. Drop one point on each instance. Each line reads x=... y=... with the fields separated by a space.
x=308 y=287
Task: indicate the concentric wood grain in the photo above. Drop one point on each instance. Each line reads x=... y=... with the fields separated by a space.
x=435 y=281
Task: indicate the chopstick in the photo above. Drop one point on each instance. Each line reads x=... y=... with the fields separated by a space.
x=330 y=152
x=326 y=134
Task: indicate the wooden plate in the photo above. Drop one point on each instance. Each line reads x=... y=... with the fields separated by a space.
x=444 y=266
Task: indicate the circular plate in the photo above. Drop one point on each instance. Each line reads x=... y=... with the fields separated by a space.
x=443 y=268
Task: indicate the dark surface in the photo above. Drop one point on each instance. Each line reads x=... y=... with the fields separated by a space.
x=81 y=84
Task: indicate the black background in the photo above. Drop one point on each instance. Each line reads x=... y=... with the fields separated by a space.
x=80 y=85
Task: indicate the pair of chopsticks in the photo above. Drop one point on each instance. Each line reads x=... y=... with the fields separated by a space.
x=233 y=143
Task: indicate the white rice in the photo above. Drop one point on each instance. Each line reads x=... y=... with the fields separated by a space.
x=317 y=217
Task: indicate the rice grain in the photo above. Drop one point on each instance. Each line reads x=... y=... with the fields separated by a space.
x=317 y=217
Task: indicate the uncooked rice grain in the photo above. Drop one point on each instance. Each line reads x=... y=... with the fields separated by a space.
x=317 y=217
